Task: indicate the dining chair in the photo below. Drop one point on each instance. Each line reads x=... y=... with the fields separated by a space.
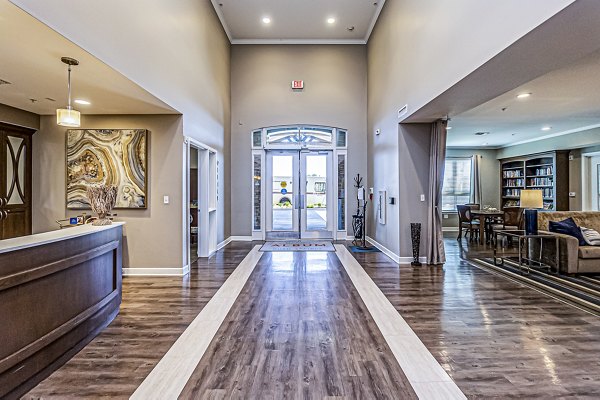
x=512 y=220
x=466 y=222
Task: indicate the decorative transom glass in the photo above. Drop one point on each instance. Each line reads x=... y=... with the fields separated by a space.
x=309 y=135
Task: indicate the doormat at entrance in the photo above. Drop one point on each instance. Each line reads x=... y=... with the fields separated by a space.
x=298 y=245
x=358 y=249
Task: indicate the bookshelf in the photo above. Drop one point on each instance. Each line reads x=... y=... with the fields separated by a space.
x=548 y=172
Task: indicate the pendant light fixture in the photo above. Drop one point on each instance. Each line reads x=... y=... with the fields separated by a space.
x=68 y=116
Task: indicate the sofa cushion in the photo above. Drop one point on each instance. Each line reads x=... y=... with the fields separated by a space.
x=591 y=237
x=567 y=227
x=587 y=252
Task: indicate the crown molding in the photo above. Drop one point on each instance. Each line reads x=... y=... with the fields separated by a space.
x=380 y=5
x=297 y=41
x=221 y=17
x=552 y=135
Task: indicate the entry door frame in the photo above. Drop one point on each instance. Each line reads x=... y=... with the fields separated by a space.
x=330 y=189
x=271 y=233
x=342 y=193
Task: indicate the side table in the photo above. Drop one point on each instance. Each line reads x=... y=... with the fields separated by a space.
x=525 y=250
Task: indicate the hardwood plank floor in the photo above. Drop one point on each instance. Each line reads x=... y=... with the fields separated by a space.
x=154 y=312
x=494 y=337
x=298 y=330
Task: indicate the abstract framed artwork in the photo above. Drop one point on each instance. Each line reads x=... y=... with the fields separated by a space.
x=107 y=156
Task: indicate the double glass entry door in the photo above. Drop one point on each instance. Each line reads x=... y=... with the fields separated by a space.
x=299 y=194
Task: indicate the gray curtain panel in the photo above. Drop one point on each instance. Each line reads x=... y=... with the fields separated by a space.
x=437 y=160
x=476 y=180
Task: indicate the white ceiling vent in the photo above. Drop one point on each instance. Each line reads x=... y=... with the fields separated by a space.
x=3 y=82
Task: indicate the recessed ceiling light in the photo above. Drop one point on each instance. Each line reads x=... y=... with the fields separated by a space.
x=266 y=20
x=84 y=102
x=448 y=128
x=331 y=20
x=523 y=95
x=546 y=128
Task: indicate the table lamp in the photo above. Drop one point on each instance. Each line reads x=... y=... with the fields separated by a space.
x=531 y=201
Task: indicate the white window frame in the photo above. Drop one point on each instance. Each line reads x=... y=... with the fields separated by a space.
x=470 y=159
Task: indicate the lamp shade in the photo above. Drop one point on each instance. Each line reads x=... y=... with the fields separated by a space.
x=532 y=199
x=68 y=117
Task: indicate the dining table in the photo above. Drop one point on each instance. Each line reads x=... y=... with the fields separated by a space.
x=486 y=216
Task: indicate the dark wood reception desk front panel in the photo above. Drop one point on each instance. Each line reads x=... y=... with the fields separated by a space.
x=58 y=290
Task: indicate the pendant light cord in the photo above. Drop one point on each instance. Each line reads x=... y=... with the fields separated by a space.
x=69 y=87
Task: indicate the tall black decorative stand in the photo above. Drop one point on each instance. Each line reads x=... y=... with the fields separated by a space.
x=359 y=220
x=415 y=236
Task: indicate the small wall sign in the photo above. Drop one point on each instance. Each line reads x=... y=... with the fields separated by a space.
x=297 y=85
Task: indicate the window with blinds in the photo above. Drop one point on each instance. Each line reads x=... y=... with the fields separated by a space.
x=457 y=183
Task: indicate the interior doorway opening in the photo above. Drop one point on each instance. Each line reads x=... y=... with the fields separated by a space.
x=590 y=185
x=193 y=201
x=200 y=201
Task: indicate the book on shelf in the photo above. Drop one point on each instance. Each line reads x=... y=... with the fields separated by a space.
x=543 y=171
x=540 y=182
x=517 y=173
x=512 y=192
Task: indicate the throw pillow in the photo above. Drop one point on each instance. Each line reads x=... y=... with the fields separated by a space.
x=567 y=227
x=591 y=237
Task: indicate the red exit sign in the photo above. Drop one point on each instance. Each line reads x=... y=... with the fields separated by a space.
x=297 y=84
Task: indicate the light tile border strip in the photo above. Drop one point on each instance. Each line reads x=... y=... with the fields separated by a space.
x=171 y=374
x=426 y=376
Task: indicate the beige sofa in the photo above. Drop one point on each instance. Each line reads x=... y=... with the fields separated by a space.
x=574 y=259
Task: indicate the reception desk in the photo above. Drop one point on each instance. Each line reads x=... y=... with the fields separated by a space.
x=58 y=290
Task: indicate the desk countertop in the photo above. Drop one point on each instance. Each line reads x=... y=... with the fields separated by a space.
x=39 y=239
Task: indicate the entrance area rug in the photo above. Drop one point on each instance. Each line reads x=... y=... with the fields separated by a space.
x=358 y=249
x=298 y=245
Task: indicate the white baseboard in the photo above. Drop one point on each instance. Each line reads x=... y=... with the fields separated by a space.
x=395 y=257
x=224 y=243
x=240 y=238
x=450 y=229
x=408 y=260
x=157 y=271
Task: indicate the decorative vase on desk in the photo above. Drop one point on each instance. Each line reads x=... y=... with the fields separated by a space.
x=102 y=199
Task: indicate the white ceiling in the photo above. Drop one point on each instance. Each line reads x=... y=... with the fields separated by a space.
x=298 y=21
x=30 y=60
x=567 y=99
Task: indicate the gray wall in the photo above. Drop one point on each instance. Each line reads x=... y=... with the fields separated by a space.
x=184 y=60
x=335 y=94
x=490 y=179
x=408 y=65
x=153 y=237
x=414 y=142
